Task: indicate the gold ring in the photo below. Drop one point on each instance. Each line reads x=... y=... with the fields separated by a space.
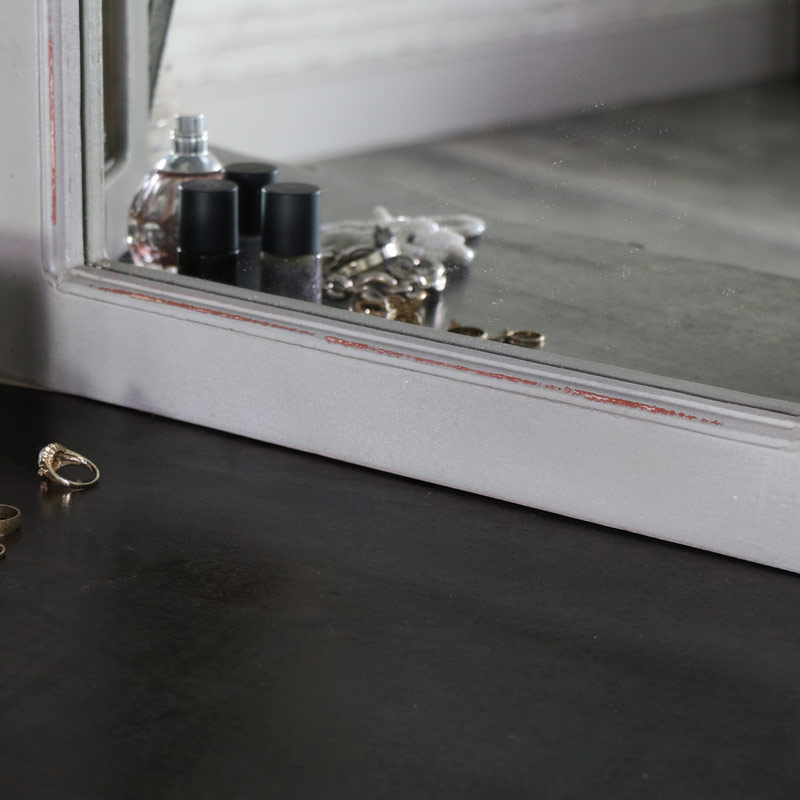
x=523 y=338
x=55 y=456
x=10 y=519
x=2 y=550
x=468 y=330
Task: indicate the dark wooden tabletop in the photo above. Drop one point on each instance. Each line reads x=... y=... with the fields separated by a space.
x=220 y=618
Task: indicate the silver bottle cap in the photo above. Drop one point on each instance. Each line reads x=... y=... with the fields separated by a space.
x=190 y=153
x=189 y=126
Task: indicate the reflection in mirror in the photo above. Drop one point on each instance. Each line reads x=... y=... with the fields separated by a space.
x=608 y=181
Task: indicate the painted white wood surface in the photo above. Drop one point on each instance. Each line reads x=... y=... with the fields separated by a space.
x=709 y=474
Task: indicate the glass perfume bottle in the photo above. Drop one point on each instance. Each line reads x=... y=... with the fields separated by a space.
x=154 y=216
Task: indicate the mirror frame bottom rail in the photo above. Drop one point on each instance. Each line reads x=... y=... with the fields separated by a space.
x=714 y=475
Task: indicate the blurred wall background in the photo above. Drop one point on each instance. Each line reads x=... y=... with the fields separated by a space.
x=295 y=80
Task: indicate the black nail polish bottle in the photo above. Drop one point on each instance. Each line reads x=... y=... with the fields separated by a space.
x=209 y=229
x=290 y=245
x=251 y=177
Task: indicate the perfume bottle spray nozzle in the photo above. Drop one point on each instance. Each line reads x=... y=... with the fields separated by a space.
x=189 y=136
x=190 y=153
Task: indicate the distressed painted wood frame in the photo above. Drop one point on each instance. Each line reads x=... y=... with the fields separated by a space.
x=688 y=464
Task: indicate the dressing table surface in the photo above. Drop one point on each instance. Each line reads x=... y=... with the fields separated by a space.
x=224 y=618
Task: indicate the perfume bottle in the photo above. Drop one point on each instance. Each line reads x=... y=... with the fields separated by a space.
x=291 y=264
x=209 y=229
x=153 y=219
x=251 y=177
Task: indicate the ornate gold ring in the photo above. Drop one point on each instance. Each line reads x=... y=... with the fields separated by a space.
x=55 y=456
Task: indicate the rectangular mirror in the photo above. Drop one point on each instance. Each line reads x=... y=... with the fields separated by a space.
x=634 y=291
x=636 y=191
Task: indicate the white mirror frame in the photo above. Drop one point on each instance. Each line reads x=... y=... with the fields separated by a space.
x=688 y=464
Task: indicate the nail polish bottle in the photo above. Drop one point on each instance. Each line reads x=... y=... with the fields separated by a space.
x=153 y=219
x=251 y=178
x=291 y=265
x=209 y=230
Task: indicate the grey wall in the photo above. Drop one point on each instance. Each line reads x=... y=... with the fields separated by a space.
x=320 y=77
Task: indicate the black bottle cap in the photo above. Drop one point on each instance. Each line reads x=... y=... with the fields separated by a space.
x=291 y=219
x=251 y=177
x=209 y=214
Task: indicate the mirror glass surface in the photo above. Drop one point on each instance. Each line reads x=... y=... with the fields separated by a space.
x=635 y=221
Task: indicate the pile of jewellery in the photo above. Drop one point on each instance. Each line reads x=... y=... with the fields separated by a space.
x=387 y=266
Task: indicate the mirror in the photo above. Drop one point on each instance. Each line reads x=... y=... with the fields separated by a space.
x=636 y=167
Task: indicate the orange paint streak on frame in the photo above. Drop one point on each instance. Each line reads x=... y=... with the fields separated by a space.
x=52 y=81
x=593 y=397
